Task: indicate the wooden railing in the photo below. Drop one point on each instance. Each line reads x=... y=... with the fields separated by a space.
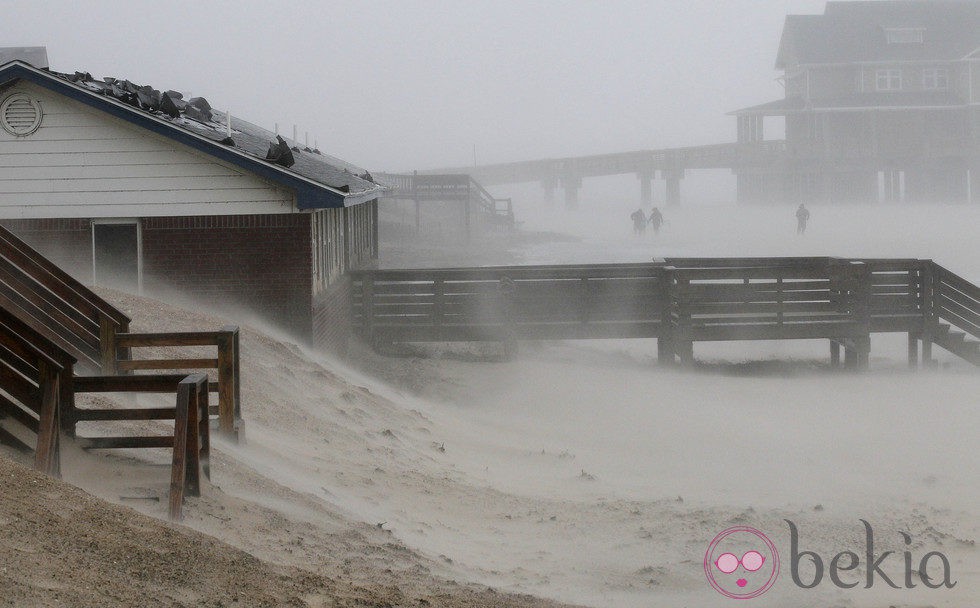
x=956 y=301
x=460 y=187
x=498 y=209
x=225 y=364
x=32 y=371
x=504 y=303
x=793 y=300
x=679 y=301
x=190 y=440
x=55 y=304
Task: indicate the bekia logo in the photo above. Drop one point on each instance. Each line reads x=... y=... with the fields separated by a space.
x=742 y=563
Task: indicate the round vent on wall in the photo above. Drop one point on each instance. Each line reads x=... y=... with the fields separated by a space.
x=20 y=115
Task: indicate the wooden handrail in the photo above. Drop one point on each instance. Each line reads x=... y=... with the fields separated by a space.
x=74 y=292
x=190 y=440
x=55 y=304
x=33 y=371
x=226 y=364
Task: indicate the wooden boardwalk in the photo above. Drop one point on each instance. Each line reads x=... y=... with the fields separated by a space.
x=678 y=301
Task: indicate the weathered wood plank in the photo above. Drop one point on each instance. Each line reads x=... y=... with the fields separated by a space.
x=123 y=442
x=194 y=338
x=145 y=413
x=155 y=383
x=178 y=471
x=151 y=364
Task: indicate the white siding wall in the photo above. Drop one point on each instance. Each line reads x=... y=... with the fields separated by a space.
x=84 y=163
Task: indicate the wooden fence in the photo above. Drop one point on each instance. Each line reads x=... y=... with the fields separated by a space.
x=190 y=440
x=225 y=363
x=677 y=300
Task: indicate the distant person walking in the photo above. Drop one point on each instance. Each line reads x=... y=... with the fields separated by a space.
x=639 y=222
x=802 y=216
x=656 y=219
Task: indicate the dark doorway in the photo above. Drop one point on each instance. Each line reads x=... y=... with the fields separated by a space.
x=115 y=256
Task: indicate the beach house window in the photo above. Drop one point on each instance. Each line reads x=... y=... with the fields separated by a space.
x=888 y=80
x=904 y=35
x=935 y=79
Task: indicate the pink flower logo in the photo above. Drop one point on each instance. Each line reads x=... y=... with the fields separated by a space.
x=741 y=563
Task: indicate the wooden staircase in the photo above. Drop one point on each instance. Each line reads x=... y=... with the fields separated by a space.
x=957 y=343
x=59 y=339
x=954 y=313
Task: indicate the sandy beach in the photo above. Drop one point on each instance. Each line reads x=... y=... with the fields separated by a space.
x=577 y=472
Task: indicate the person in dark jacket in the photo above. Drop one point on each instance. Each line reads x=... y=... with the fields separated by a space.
x=656 y=219
x=802 y=216
x=639 y=222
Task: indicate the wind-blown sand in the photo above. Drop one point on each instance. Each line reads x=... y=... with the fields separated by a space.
x=574 y=471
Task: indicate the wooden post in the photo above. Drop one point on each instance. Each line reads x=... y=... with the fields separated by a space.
x=237 y=356
x=665 y=342
x=66 y=400
x=192 y=481
x=863 y=352
x=835 y=353
x=685 y=350
x=913 y=350
x=107 y=343
x=683 y=346
x=178 y=469
x=226 y=381
x=860 y=276
x=47 y=454
x=438 y=304
x=850 y=354
x=779 y=300
x=928 y=312
x=204 y=428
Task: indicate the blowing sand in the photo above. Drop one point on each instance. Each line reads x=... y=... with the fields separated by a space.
x=573 y=471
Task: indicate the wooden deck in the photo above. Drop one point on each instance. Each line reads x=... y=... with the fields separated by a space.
x=679 y=301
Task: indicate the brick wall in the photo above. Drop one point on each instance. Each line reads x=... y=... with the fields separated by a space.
x=261 y=262
x=66 y=242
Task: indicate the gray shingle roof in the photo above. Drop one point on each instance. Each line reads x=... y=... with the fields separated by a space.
x=856 y=31
x=247 y=137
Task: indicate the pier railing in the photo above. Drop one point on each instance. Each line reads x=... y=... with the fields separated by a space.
x=677 y=300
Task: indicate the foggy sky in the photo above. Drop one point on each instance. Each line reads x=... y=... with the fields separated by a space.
x=403 y=85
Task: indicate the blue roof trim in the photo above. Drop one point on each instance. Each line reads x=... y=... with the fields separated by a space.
x=308 y=194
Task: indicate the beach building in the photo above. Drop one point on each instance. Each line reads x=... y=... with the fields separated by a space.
x=140 y=189
x=882 y=103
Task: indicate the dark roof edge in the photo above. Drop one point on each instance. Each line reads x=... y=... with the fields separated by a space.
x=309 y=194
